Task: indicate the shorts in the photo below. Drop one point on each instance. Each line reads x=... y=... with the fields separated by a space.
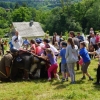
x=64 y=68
x=85 y=67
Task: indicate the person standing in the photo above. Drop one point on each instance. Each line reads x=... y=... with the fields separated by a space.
x=17 y=41
x=86 y=60
x=71 y=56
x=64 y=68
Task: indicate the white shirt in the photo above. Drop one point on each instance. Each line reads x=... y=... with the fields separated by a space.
x=55 y=51
x=98 y=51
x=57 y=38
x=17 y=45
x=93 y=40
x=42 y=45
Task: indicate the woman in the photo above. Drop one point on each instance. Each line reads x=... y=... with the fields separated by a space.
x=72 y=58
x=33 y=46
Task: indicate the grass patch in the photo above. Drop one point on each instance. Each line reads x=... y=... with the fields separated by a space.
x=54 y=90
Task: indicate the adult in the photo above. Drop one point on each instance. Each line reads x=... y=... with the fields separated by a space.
x=76 y=42
x=91 y=30
x=10 y=45
x=2 y=46
x=26 y=43
x=80 y=37
x=33 y=46
x=5 y=63
x=93 y=41
x=17 y=41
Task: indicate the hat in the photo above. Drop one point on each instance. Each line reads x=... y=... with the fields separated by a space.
x=38 y=41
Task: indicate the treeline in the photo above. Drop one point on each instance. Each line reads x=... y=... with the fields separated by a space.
x=78 y=16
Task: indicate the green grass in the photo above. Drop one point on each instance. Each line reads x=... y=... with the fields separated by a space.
x=55 y=90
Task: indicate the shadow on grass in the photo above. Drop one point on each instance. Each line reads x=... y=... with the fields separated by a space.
x=61 y=86
x=97 y=87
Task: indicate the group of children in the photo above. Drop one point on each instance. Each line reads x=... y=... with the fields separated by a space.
x=68 y=61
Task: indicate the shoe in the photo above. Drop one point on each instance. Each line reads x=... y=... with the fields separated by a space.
x=96 y=83
x=90 y=79
x=83 y=78
x=49 y=79
x=72 y=82
x=63 y=79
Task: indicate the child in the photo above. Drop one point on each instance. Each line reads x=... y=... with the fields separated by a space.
x=86 y=60
x=53 y=67
x=64 y=68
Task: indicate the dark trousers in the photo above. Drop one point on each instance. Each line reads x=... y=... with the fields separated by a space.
x=98 y=73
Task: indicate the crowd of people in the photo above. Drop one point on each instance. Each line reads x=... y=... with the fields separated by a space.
x=73 y=51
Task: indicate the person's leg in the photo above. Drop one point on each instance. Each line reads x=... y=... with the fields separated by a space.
x=71 y=72
x=77 y=64
x=7 y=71
x=85 y=70
x=98 y=74
x=63 y=71
x=82 y=68
x=55 y=66
x=50 y=69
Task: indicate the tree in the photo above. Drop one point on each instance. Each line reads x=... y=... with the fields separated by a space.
x=21 y=14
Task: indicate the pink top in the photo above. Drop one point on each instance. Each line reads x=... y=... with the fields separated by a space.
x=38 y=50
x=97 y=39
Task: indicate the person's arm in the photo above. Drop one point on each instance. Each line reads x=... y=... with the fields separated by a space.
x=67 y=52
x=92 y=52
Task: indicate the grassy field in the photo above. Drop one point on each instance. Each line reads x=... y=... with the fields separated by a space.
x=54 y=90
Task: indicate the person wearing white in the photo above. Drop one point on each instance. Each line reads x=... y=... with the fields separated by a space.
x=54 y=50
x=17 y=41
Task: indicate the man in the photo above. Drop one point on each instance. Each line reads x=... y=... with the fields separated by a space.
x=80 y=37
x=17 y=41
x=5 y=63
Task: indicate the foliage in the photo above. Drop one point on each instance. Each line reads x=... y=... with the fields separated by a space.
x=71 y=15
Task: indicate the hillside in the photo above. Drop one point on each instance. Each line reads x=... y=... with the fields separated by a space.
x=45 y=4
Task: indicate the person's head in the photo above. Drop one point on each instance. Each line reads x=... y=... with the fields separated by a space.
x=25 y=38
x=97 y=34
x=38 y=41
x=99 y=44
x=49 y=51
x=70 y=41
x=82 y=45
x=72 y=34
x=46 y=41
x=32 y=41
x=16 y=33
x=64 y=44
x=78 y=34
x=91 y=29
x=56 y=44
x=92 y=34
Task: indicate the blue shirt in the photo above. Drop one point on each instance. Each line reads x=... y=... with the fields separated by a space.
x=26 y=42
x=84 y=54
x=80 y=38
x=62 y=54
x=11 y=45
x=51 y=59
